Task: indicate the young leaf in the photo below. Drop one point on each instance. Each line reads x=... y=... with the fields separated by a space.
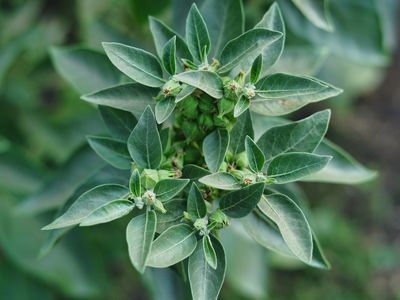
x=231 y=13
x=135 y=184
x=246 y=47
x=255 y=155
x=194 y=172
x=118 y=122
x=256 y=69
x=316 y=12
x=292 y=224
x=112 y=151
x=137 y=64
x=241 y=106
x=87 y=203
x=208 y=82
x=164 y=108
x=169 y=56
x=290 y=167
x=144 y=143
x=222 y=181
x=206 y=282
x=196 y=206
x=242 y=127
x=215 y=146
x=197 y=34
x=240 y=203
x=172 y=246
x=108 y=212
x=168 y=188
x=209 y=252
x=130 y=97
x=301 y=136
x=139 y=235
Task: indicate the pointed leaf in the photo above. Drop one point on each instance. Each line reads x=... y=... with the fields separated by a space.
x=221 y=180
x=194 y=172
x=112 y=151
x=209 y=252
x=290 y=167
x=169 y=56
x=136 y=63
x=242 y=127
x=256 y=69
x=317 y=12
x=186 y=91
x=168 y=188
x=215 y=146
x=196 y=206
x=255 y=155
x=164 y=108
x=197 y=34
x=139 y=235
x=208 y=82
x=173 y=216
x=118 y=122
x=108 y=212
x=241 y=106
x=172 y=246
x=144 y=143
x=135 y=185
x=240 y=203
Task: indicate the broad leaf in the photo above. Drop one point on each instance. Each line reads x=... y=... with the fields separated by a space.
x=144 y=143
x=118 y=122
x=112 y=151
x=316 y=11
x=186 y=91
x=135 y=184
x=139 y=235
x=240 y=203
x=292 y=224
x=173 y=216
x=246 y=47
x=196 y=206
x=197 y=34
x=225 y=21
x=215 y=146
x=108 y=212
x=208 y=82
x=169 y=56
x=169 y=188
x=255 y=156
x=206 y=282
x=293 y=166
x=256 y=68
x=241 y=106
x=136 y=63
x=209 y=252
x=301 y=136
x=194 y=172
x=87 y=203
x=164 y=108
x=222 y=181
x=172 y=246
x=242 y=128
x=130 y=97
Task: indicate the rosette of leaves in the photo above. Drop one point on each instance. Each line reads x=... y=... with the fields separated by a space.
x=185 y=126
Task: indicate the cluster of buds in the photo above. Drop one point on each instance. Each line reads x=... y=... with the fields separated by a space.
x=201 y=226
x=170 y=89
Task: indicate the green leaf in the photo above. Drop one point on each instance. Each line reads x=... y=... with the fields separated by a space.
x=112 y=151
x=85 y=69
x=118 y=122
x=144 y=143
x=209 y=252
x=240 y=203
x=242 y=128
x=165 y=136
x=317 y=12
x=301 y=136
x=186 y=91
x=222 y=181
x=108 y=212
x=290 y=167
x=197 y=34
x=169 y=56
x=241 y=106
x=135 y=184
x=194 y=172
x=130 y=97
x=173 y=216
x=87 y=203
x=255 y=155
x=136 y=63
x=282 y=93
x=225 y=21
x=164 y=108
x=246 y=47
x=272 y=20
x=139 y=235
x=206 y=282
x=162 y=34
x=343 y=168
x=208 y=82
x=169 y=188
x=196 y=206
x=256 y=68
x=291 y=222
x=172 y=246
x=215 y=146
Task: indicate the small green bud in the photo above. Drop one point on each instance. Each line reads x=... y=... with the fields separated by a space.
x=149 y=197
x=138 y=202
x=164 y=174
x=225 y=106
x=249 y=91
x=187 y=216
x=229 y=156
x=189 y=107
x=232 y=89
x=189 y=129
x=149 y=178
x=218 y=121
x=223 y=167
x=206 y=121
x=219 y=218
x=241 y=160
x=159 y=206
x=171 y=88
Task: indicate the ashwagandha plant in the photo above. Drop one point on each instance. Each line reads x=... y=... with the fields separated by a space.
x=195 y=164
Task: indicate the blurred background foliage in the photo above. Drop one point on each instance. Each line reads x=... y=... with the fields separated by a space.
x=43 y=122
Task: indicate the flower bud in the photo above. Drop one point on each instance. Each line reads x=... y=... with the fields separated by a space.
x=241 y=160
x=219 y=218
x=218 y=121
x=138 y=202
x=189 y=107
x=171 y=88
x=189 y=129
x=206 y=121
x=149 y=197
x=249 y=91
x=225 y=106
x=232 y=89
x=223 y=167
x=200 y=224
x=206 y=106
x=159 y=206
